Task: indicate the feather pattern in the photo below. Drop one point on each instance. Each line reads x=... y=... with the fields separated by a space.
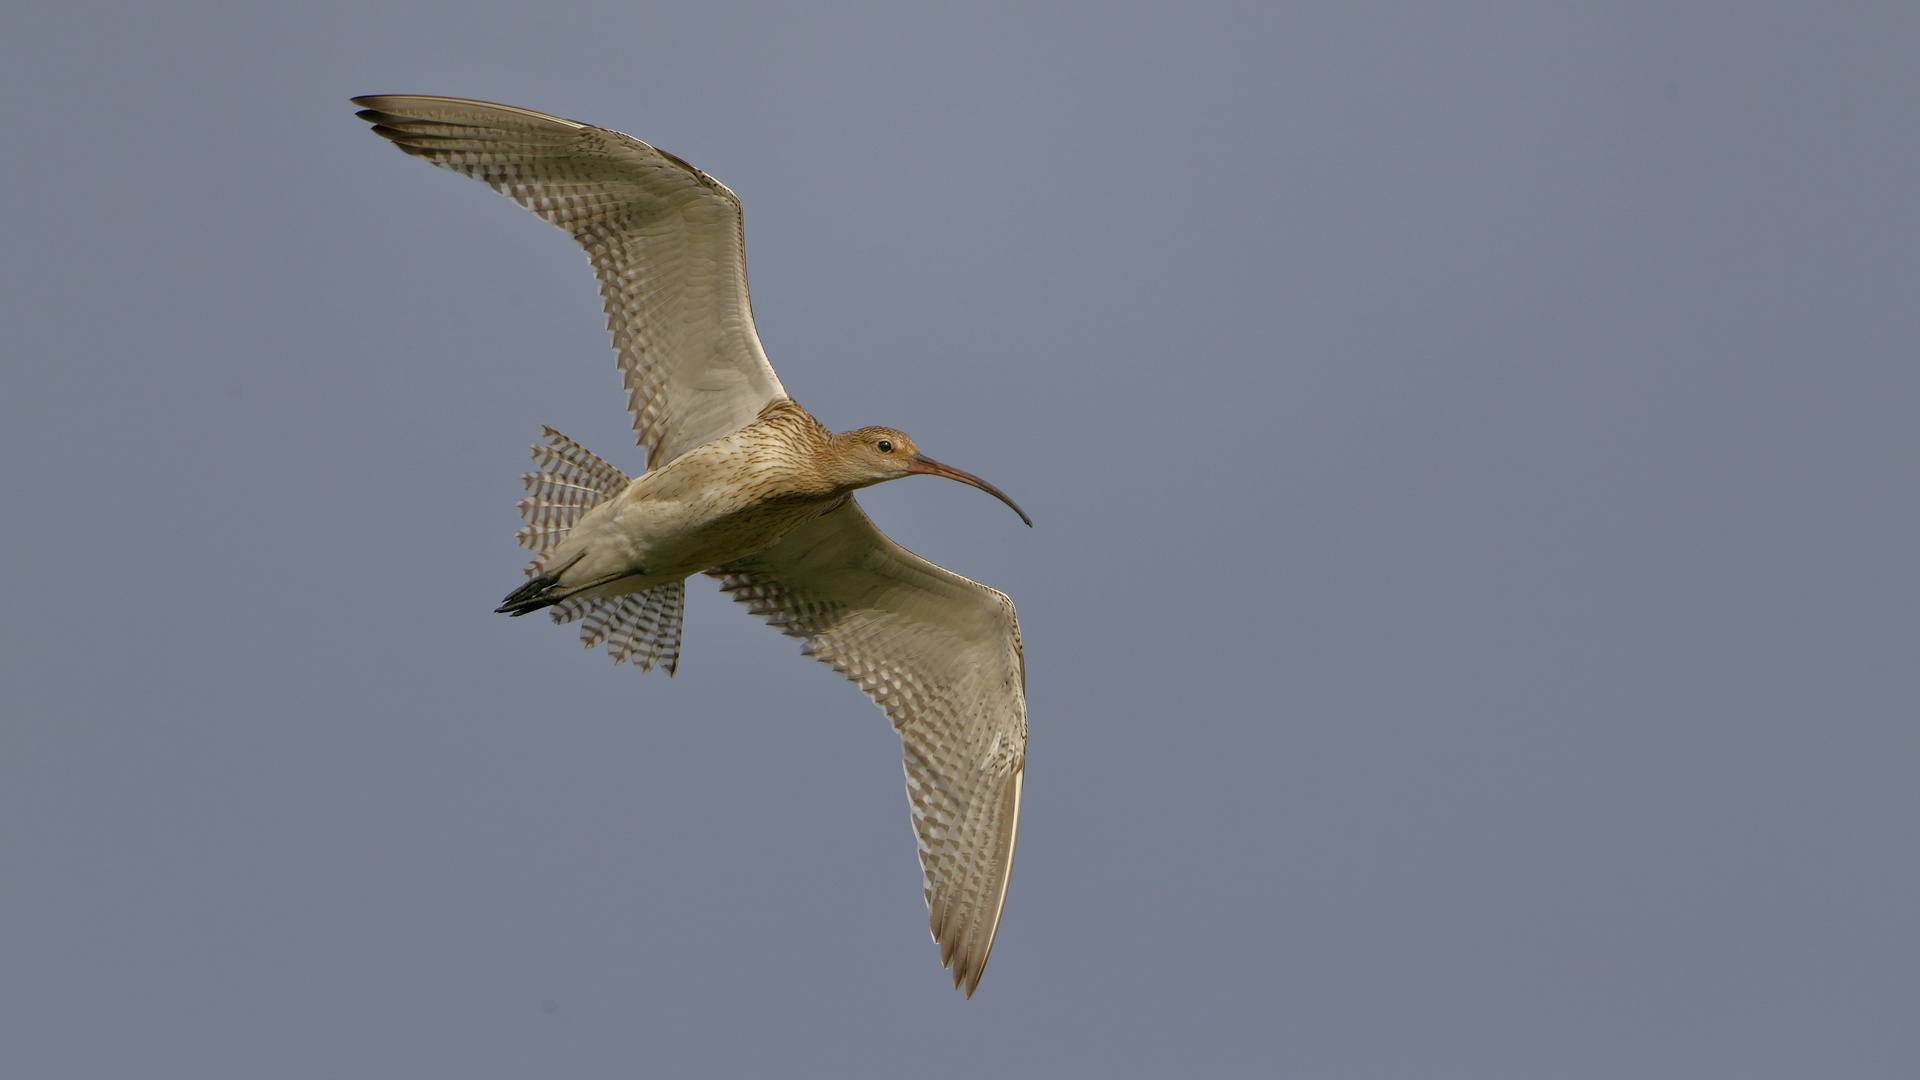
x=665 y=240
x=642 y=628
x=573 y=481
x=941 y=657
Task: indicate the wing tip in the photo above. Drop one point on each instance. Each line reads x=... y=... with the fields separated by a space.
x=966 y=948
x=410 y=107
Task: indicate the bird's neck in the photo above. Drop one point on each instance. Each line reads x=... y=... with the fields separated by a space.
x=804 y=446
x=793 y=429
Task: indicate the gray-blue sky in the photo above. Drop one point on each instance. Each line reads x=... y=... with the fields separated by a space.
x=1472 y=621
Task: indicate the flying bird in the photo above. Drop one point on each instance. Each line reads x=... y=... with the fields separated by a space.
x=744 y=485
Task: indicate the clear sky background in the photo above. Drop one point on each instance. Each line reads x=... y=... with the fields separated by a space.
x=1472 y=621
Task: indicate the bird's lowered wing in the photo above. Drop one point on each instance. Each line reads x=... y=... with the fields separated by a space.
x=664 y=237
x=941 y=656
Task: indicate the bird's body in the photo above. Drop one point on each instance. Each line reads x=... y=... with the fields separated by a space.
x=747 y=487
x=720 y=501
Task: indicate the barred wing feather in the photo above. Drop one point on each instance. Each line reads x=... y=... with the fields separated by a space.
x=665 y=241
x=941 y=656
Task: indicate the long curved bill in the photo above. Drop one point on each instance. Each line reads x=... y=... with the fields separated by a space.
x=920 y=463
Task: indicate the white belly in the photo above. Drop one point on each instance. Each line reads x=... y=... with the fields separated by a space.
x=702 y=510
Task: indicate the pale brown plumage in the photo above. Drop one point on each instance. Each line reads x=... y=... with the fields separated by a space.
x=747 y=487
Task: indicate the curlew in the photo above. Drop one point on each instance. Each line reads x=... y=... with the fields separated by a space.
x=743 y=485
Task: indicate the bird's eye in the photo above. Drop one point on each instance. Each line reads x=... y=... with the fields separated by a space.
x=885 y=446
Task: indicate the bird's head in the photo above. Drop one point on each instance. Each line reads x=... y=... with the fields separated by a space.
x=875 y=455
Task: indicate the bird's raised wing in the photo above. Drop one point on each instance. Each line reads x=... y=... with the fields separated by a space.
x=664 y=237
x=941 y=656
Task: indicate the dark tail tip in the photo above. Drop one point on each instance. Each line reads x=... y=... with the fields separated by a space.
x=534 y=594
x=528 y=597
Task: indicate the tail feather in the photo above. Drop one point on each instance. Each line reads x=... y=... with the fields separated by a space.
x=572 y=463
x=641 y=628
x=540 y=538
x=547 y=486
x=574 y=480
